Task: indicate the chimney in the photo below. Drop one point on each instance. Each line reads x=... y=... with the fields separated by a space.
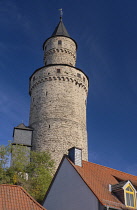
x=75 y=155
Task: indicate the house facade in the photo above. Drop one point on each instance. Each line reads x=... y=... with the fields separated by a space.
x=88 y=186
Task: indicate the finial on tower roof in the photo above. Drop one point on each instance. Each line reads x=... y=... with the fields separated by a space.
x=61 y=13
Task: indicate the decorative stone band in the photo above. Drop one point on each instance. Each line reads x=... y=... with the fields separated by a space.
x=58 y=73
x=62 y=50
x=69 y=79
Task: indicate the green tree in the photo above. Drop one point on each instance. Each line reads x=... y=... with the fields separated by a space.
x=35 y=175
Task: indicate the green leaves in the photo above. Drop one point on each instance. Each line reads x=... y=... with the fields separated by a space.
x=35 y=175
x=4 y=155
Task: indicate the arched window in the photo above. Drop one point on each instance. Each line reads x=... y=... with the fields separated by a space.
x=130 y=196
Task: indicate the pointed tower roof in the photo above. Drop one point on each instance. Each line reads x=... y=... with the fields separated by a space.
x=60 y=30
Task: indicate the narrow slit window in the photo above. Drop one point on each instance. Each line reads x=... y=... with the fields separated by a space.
x=58 y=70
x=59 y=42
x=78 y=75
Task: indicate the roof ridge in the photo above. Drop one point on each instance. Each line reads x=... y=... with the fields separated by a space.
x=108 y=168
x=60 y=30
x=11 y=185
x=98 y=178
x=32 y=198
x=74 y=166
x=24 y=191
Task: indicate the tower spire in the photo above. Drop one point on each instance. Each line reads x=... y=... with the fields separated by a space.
x=60 y=30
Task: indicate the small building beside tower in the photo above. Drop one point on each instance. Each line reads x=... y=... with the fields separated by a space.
x=58 y=94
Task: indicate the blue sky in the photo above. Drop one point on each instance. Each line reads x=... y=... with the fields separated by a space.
x=106 y=33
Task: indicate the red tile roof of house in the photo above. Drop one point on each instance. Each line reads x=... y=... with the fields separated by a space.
x=13 y=197
x=98 y=178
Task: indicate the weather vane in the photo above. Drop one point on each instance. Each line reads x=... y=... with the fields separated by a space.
x=61 y=13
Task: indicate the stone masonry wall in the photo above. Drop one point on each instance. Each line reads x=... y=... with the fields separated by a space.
x=58 y=110
x=60 y=50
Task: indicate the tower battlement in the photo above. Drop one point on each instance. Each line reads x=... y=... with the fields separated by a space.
x=60 y=73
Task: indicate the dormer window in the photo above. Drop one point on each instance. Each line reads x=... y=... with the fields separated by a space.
x=126 y=193
x=129 y=196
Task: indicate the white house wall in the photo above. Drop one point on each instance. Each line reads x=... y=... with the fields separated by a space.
x=69 y=192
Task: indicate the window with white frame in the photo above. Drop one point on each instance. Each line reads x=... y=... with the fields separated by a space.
x=130 y=198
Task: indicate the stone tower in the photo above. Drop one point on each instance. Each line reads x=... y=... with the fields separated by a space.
x=58 y=93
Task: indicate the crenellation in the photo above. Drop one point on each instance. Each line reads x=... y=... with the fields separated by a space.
x=42 y=76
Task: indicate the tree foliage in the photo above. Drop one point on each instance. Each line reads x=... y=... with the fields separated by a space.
x=34 y=175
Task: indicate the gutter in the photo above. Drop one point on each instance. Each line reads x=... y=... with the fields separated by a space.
x=109 y=207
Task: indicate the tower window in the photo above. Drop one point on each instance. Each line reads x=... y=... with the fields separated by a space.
x=58 y=70
x=83 y=79
x=34 y=78
x=78 y=75
x=59 y=42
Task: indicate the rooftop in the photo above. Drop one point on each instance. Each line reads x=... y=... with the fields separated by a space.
x=15 y=197
x=60 y=30
x=98 y=178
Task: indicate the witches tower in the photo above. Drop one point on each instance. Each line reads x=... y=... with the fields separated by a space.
x=58 y=93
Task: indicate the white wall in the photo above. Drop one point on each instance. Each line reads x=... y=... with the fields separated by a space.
x=69 y=192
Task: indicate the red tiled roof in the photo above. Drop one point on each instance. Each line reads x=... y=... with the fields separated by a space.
x=13 y=197
x=98 y=178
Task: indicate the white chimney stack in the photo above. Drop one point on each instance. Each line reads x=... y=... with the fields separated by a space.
x=75 y=155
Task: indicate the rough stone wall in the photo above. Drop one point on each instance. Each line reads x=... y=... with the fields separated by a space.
x=58 y=110
x=60 y=50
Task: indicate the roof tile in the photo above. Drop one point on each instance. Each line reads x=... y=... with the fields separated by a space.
x=13 y=197
x=98 y=178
